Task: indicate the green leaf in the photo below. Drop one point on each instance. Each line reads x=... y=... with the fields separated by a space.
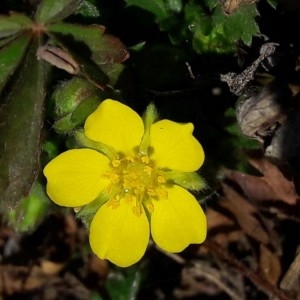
x=10 y=57
x=273 y=3
x=53 y=11
x=108 y=50
x=174 y=5
x=197 y=19
x=113 y=71
x=124 y=284
x=240 y=25
x=105 y=49
x=156 y=7
x=7 y=40
x=251 y=28
x=21 y=117
x=12 y=24
x=81 y=33
x=96 y=296
x=211 y=3
x=87 y=9
x=31 y=210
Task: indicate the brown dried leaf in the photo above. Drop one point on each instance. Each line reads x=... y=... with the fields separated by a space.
x=222 y=229
x=273 y=185
x=269 y=265
x=50 y=268
x=244 y=214
x=216 y=219
x=17 y=279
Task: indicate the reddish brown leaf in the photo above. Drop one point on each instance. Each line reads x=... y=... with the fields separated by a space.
x=273 y=185
x=269 y=265
x=222 y=229
x=216 y=219
x=244 y=214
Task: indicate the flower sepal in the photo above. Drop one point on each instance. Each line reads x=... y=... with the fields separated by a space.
x=149 y=117
x=87 y=212
x=188 y=180
x=81 y=140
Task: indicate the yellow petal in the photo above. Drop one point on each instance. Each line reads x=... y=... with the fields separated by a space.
x=177 y=221
x=74 y=177
x=116 y=125
x=119 y=235
x=175 y=147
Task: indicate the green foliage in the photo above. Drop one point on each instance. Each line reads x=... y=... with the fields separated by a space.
x=240 y=25
x=124 y=284
x=31 y=209
x=87 y=9
x=85 y=50
x=157 y=7
x=273 y=3
x=11 y=55
x=73 y=101
x=20 y=129
x=204 y=24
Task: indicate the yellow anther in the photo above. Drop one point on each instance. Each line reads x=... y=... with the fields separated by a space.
x=150 y=206
x=135 y=180
x=151 y=192
x=113 y=203
x=130 y=159
x=147 y=170
x=132 y=176
x=139 y=190
x=115 y=178
x=130 y=199
x=116 y=163
x=145 y=159
x=137 y=210
x=161 y=179
x=162 y=193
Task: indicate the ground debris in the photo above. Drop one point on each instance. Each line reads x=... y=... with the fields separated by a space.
x=247 y=239
x=238 y=82
x=44 y=267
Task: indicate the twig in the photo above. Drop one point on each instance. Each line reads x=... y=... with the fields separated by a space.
x=214 y=276
x=292 y=275
x=180 y=260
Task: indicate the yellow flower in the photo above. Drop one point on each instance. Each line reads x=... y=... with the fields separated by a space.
x=133 y=177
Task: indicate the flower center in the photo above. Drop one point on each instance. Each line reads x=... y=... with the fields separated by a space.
x=136 y=180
